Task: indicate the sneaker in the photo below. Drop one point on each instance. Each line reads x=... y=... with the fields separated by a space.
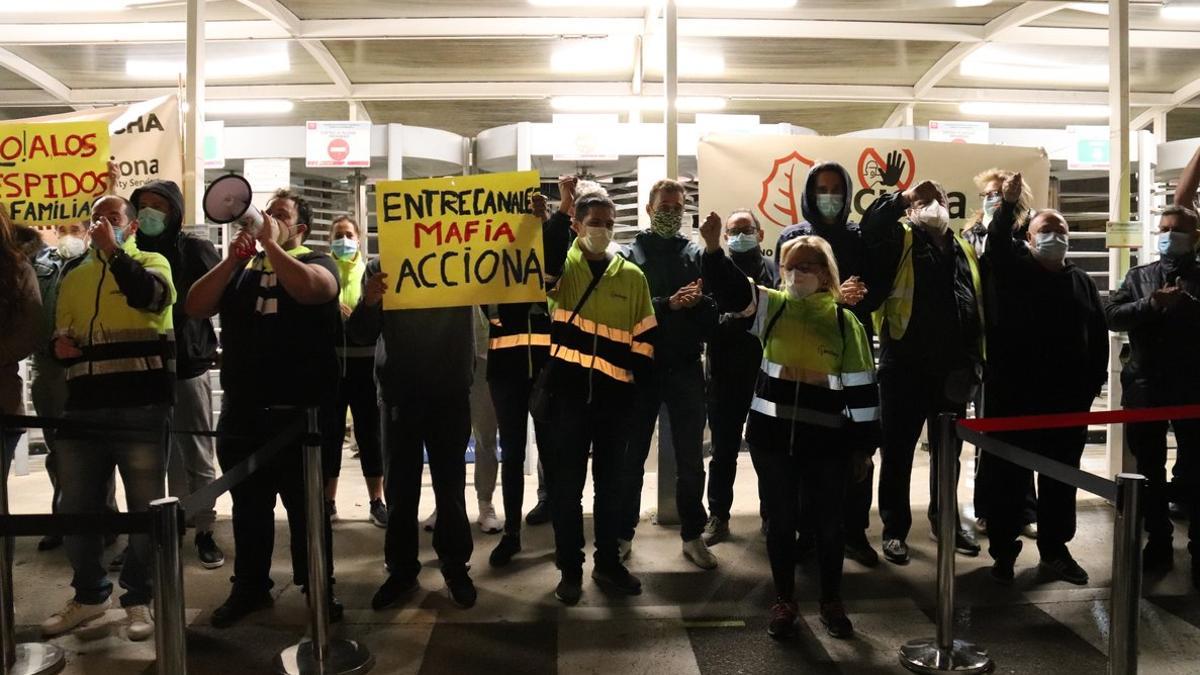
x=393 y=589
x=211 y=556
x=429 y=523
x=964 y=543
x=617 y=579
x=539 y=514
x=118 y=560
x=141 y=622
x=509 y=546
x=837 y=624
x=49 y=542
x=462 y=590
x=860 y=550
x=697 y=552
x=896 y=551
x=716 y=530
x=1065 y=568
x=570 y=588
x=331 y=509
x=1158 y=557
x=379 y=513
x=1029 y=531
x=1002 y=568
x=488 y=523
x=72 y=615
x=624 y=549
x=783 y=620
x=239 y=605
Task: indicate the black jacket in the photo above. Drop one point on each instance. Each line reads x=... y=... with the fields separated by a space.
x=733 y=347
x=1163 y=364
x=190 y=258
x=671 y=264
x=1047 y=338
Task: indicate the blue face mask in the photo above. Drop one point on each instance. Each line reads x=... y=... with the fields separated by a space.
x=1176 y=244
x=830 y=206
x=344 y=248
x=151 y=222
x=743 y=242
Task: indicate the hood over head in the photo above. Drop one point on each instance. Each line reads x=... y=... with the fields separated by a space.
x=808 y=203
x=169 y=191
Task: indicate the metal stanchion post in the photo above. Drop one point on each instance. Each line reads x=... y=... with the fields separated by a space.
x=1127 y=575
x=319 y=655
x=944 y=654
x=27 y=658
x=170 y=641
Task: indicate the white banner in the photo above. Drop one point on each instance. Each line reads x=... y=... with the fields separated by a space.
x=767 y=173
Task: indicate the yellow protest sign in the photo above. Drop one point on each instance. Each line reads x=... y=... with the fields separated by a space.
x=51 y=171
x=462 y=240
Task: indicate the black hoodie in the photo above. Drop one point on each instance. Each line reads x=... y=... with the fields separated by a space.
x=191 y=258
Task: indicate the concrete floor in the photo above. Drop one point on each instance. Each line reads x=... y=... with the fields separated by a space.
x=686 y=621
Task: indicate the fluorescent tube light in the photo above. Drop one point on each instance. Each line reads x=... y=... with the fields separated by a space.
x=622 y=103
x=997 y=63
x=269 y=62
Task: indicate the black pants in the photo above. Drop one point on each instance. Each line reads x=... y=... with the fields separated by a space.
x=681 y=388
x=254 y=498
x=356 y=392
x=909 y=398
x=812 y=482
x=577 y=427
x=730 y=391
x=1148 y=441
x=511 y=400
x=1002 y=488
x=437 y=425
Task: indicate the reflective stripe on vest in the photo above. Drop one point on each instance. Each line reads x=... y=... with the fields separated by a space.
x=133 y=364
x=593 y=362
x=520 y=340
x=805 y=375
x=792 y=413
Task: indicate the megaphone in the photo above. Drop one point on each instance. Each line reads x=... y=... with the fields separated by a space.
x=227 y=200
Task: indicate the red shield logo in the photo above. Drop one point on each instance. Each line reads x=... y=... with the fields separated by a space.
x=783 y=188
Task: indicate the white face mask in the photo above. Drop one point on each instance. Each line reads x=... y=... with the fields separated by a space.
x=990 y=206
x=70 y=246
x=934 y=217
x=1050 y=246
x=799 y=284
x=596 y=239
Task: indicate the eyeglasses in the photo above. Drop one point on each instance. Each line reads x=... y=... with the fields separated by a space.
x=806 y=268
x=989 y=195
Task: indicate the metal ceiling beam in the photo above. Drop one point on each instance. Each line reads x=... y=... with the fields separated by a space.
x=45 y=81
x=1179 y=99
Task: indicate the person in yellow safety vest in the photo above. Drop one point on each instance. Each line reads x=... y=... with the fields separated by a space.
x=815 y=414
x=356 y=386
x=931 y=328
x=602 y=340
x=113 y=332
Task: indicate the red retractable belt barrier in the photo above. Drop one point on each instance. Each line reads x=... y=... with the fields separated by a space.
x=1058 y=421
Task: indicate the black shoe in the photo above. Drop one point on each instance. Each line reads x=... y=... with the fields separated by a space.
x=806 y=545
x=896 y=551
x=1158 y=557
x=1065 y=568
x=211 y=556
x=1002 y=569
x=783 y=619
x=617 y=579
x=462 y=590
x=539 y=514
x=393 y=589
x=964 y=543
x=570 y=588
x=379 y=513
x=118 y=561
x=860 y=550
x=50 y=542
x=238 y=605
x=837 y=624
x=509 y=546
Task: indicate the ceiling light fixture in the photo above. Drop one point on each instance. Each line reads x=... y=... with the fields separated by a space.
x=997 y=63
x=616 y=54
x=270 y=62
x=1180 y=10
x=64 y=6
x=250 y=106
x=624 y=103
x=1054 y=110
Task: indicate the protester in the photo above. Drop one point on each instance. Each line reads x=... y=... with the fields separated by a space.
x=602 y=339
x=192 y=463
x=424 y=363
x=932 y=348
x=686 y=319
x=20 y=307
x=356 y=382
x=1158 y=306
x=1048 y=307
x=113 y=333
x=279 y=321
x=485 y=427
x=815 y=413
x=990 y=184
x=825 y=206
x=732 y=367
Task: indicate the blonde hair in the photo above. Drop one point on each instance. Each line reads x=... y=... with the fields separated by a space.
x=1024 y=202
x=824 y=252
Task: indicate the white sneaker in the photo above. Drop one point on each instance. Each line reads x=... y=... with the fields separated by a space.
x=624 y=548
x=429 y=523
x=697 y=551
x=141 y=622
x=72 y=615
x=488 y=522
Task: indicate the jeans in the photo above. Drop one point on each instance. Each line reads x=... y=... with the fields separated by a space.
x=1148 y=441
x=192 y=464
x=86 y=461
x=511 y=398
x=484 y=425
x=439 y=426
x=909 y=398
x=730 y=392
x=249 y=429
x=682 y=389
x=356 y=393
